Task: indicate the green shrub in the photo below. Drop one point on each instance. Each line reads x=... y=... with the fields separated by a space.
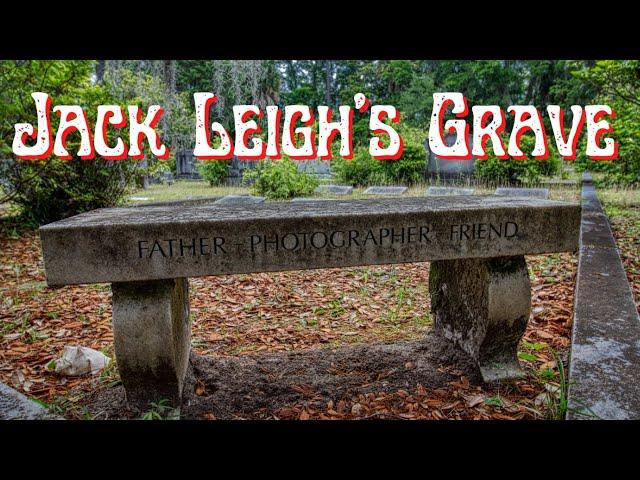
x=51 y=189
x=280 y=180
x=408 y=169
x=213 y=171
x=514 y=171
x=357 y=171
x=625 y=170
x=363 y=169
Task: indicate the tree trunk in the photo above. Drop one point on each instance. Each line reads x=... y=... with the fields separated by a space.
x=328 y=82
x=100 y=68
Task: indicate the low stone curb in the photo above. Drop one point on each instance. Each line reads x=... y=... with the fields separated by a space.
x=605 y=351
x=16 y=406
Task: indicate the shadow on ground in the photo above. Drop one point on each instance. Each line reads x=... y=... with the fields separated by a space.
x=261 y=385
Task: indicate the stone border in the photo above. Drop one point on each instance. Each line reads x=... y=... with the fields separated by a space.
x=16 y=406
x=604 y=369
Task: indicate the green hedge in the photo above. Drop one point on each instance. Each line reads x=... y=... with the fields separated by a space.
x=511 y=170
x=280 y=180
x=363 y=169
x=213 y=171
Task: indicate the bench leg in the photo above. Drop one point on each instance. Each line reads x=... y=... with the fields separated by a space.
x=152 y=335
x=483 y=306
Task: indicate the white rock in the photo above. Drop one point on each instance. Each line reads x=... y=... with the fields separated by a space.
x=81 y=360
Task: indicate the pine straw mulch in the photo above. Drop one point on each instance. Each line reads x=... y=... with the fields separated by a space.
x=305 y=311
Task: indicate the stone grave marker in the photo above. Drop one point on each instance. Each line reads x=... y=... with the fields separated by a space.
x=335 y=189
x=444 y=191
x=523 y=192
x=383 y=190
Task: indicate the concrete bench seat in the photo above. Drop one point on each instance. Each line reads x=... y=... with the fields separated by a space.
x=479 y=284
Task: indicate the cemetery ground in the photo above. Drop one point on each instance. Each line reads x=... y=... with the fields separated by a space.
x=321 y=344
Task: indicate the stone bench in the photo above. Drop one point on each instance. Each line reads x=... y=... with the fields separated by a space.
x=479 y=283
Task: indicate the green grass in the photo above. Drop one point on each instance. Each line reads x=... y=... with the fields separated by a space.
x=617 y=200
x=180 y=190
x=161 y=410
x=183 y=189
x=494 y=401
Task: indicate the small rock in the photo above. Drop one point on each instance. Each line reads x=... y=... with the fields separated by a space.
x=200 y=389
x=80 y=360
x=356 y=409
x=541 y=399
x=409 y=365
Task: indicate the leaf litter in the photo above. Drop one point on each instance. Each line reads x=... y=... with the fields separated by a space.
x=300 y=320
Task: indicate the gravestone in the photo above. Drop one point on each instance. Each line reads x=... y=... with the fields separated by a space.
x=523 y=192
x=479 y=285
x=444 y=168
x=237 y=168
x=317 y=167
x=239 y=199
x=382 y=190
x=186 y=165
x=335 y=189
x=444 y=191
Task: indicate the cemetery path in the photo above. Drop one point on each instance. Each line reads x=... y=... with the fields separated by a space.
x=350 y=317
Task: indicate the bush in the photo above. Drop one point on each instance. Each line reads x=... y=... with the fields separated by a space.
x=363 y=169
x=52 y=189
x=214 y=171
x=625 y=170
x=357 y=171
x=515 y=171
x=280 y=180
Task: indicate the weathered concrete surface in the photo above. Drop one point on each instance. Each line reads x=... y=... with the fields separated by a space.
x=483 y=307
x=335 y=189
x=239 y=199
x=152 y=333
x=135 y=244
x=309 y=199
x=179 y=203
x=376 y=190
x=16 y=406
x=523 y=192
x=443 y=191
x=604 y=372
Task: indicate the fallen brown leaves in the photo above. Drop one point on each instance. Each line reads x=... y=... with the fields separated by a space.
x=626 y=230
x=239 y=314
x=37 y=322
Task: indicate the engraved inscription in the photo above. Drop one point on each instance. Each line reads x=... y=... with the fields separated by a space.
x=340 y=239
x=261 y=243
x=482 y=231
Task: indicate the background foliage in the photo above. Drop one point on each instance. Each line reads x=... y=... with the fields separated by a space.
x=52 y=189
x=280 y=180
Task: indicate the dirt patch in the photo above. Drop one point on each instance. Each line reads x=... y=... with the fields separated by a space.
x=259 y=386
